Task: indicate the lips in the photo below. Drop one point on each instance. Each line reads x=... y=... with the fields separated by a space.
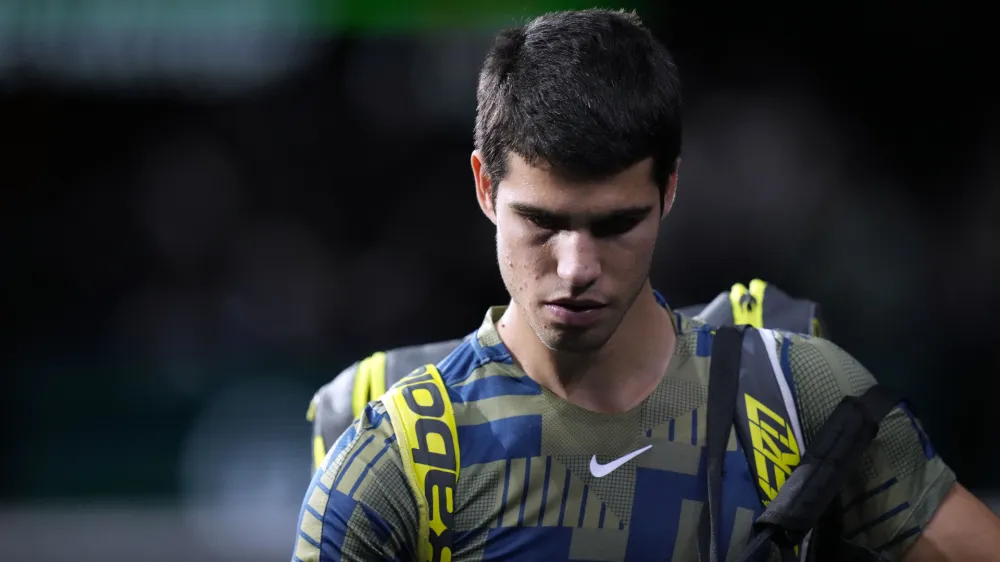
x=577 y=305
x=575 y=312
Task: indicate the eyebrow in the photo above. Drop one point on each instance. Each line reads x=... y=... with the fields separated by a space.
x=636 y=212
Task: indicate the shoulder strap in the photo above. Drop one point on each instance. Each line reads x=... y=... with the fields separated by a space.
x=767 y=420
x=723 y=383
x=424 y=423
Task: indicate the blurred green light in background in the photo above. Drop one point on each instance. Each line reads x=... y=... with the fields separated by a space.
x=322 y=16
x=415 y=15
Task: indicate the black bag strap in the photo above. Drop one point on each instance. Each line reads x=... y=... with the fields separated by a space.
x=723 y=384
x=810 y=493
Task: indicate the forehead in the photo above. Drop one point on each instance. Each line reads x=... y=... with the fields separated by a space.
x=539 y=187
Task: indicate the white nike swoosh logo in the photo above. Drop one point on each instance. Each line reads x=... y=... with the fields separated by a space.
x=601 y=470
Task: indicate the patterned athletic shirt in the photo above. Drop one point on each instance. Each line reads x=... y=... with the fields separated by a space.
x=526 y=489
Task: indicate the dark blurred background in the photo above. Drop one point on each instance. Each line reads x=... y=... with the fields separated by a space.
x=212 y=207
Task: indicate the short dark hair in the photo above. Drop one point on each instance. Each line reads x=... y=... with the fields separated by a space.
x=587 y=93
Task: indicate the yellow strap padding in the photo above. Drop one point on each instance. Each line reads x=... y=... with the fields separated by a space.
x=376 y=375
x=369 y=382
x=361 y=389
x=748 y=304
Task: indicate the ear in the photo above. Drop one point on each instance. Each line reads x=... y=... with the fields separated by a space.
x=484 y=187
x=671 y=191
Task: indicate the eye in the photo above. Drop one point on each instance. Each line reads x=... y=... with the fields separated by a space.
x=545 y=222
x=615 y=226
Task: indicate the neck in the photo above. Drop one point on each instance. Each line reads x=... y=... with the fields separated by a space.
x=612 y=379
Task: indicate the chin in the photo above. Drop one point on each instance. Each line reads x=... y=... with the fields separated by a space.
x=573 y=342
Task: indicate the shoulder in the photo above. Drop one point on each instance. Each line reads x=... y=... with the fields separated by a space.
x=359 y=494
x=817 y=372
x=810 y=356
x=471 y=354
x=479 y=369
x=365 y=451
x=497 y=407
x=823 y=375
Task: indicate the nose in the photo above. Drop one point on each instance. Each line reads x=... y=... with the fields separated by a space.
x=578 y=259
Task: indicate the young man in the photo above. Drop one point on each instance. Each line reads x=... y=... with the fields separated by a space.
x=580 y=407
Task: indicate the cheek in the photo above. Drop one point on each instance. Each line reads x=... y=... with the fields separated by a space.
x=634 y=250
x=505 y=250
x=645 y=245
x=521 y=259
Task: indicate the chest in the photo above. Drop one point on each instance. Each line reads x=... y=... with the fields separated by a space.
x=643 y=506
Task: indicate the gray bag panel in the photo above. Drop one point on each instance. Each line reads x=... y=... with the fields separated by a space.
x=402 y=361
x=334 y=411
x=781 y=312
